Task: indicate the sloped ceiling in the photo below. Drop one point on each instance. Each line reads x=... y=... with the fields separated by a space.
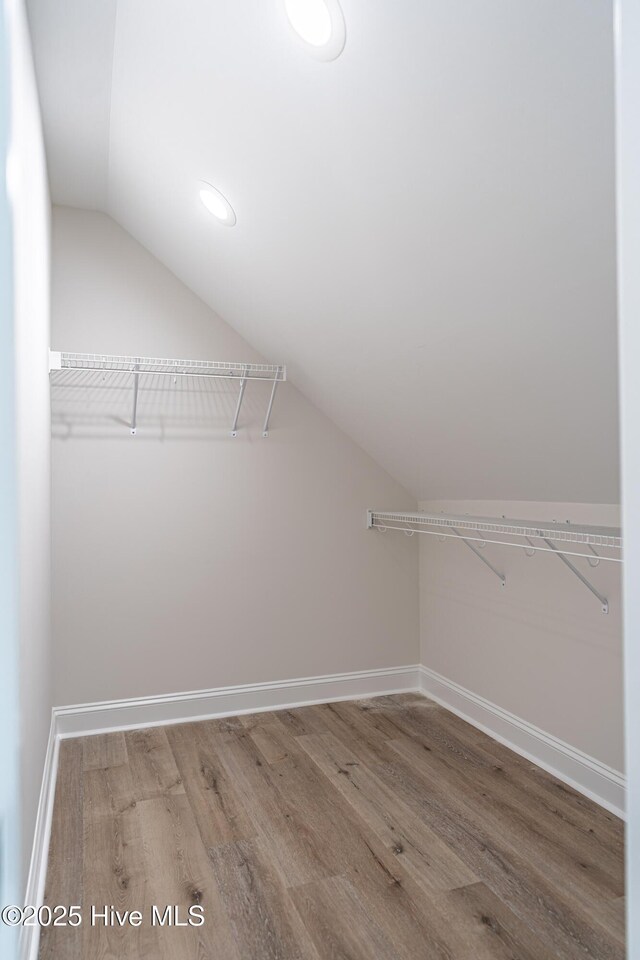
x=425 y=226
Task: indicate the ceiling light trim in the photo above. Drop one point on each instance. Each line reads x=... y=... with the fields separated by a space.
x=334 y=45
x=216 y=204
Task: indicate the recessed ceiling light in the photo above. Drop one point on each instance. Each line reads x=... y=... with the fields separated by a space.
x=217 y=204
x=319 y=24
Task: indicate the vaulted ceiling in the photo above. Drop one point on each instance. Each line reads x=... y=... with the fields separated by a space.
x=425 y=225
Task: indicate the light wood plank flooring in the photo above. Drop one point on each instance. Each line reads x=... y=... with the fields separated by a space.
x=383 y=828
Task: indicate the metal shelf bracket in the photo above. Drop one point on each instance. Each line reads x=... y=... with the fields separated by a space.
x=134 y=414
x=603 y=600
x=265 y=429
x=243 y=383
x=501 y=577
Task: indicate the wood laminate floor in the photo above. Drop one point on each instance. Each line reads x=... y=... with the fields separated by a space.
x=383 y=828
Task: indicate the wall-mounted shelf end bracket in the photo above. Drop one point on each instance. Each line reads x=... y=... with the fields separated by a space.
x=55 y=360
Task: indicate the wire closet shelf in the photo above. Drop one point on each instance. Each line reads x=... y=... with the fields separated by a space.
x=62 y=363
x=562 y=539
x=493 y=528
x=173 y=368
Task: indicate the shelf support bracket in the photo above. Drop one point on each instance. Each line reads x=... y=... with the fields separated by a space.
x=134 y=414
x=243 y=383
x=501 y=577
x=265 y=429
x=603 y=600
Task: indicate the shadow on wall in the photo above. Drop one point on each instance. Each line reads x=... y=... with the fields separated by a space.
x=99 y=404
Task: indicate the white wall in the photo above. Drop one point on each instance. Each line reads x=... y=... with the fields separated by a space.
x=628 y=189
x=539 y=648
x=76 y=105
x=30 y=205
x=184 y=559
x=10 y=867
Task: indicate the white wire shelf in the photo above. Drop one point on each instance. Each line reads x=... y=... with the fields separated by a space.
x=491 y=527
x=168 y=367
x=64 y=367
x=563 y=539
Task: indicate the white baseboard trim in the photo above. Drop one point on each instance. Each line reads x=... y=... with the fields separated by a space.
x=585 y=774
x=91 y=718
x=34 y=893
